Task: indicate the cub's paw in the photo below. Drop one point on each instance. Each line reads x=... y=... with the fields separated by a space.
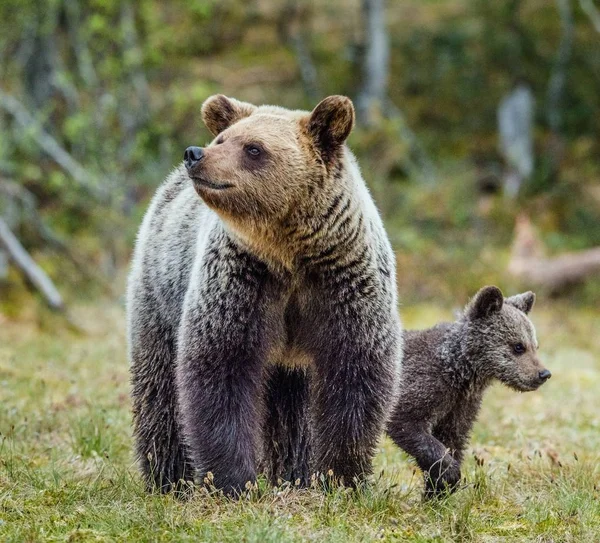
x=442 y=481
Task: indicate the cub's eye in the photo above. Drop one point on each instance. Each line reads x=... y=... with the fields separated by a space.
x=219 y=140
x=519 y=348
x=253 y=150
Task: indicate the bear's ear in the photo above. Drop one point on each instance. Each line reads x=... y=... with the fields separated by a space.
x=524 y=301
x=220 y=112
x=330 y=124
x=486 y=302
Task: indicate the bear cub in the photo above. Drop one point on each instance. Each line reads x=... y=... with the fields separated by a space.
x=446 y=370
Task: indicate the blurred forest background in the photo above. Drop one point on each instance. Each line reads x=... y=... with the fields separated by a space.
x=478 y=133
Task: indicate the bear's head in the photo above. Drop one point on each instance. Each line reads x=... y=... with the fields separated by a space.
x=265 y=161
x=501 y=340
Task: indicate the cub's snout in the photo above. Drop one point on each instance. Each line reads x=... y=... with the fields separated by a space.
x=544 y=375
x=535 y=381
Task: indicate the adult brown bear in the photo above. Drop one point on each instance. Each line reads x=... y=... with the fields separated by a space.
x=263 y=328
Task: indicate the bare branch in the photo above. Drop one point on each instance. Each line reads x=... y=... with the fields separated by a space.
x=27 y=265
x=28 y=204
x=592 y=12
x=51 y=147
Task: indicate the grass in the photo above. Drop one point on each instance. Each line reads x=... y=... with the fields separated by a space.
x=66 y=470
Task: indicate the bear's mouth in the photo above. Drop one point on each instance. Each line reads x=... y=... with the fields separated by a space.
x=527 y=386
x=200 y=181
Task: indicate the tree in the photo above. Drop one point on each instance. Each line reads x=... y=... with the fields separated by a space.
x=372 y=97
x=515 y=126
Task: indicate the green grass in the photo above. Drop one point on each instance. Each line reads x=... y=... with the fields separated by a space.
x=66 y=469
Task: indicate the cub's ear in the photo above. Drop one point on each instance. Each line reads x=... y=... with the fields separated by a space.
x=486 y=302
x=220 y=112
x=330 y=124
x=523 y=301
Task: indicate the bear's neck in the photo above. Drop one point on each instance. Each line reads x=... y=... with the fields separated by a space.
x=335 y=229
x=461 y=368
x=330 y=230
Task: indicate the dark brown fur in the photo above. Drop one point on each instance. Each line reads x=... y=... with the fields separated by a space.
x=263 y=328
x=447 y=368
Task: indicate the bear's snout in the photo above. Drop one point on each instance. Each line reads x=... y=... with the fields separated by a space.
x=192 y=156
x=544 y=375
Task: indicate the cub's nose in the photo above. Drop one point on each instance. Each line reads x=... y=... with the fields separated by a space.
x=192 y=156
x=544 y=375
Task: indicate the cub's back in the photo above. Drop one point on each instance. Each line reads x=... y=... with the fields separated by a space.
x=422 y=347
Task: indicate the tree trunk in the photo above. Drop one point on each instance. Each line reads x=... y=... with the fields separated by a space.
x=373 y=94
x=291 y=29
x=3 y=264
x=515 y=127
x=558 y=77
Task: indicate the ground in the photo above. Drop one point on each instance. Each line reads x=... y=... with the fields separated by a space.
x=67 y=474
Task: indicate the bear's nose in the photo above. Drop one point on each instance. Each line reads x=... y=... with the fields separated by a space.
x=544 y=375
x=192 y=156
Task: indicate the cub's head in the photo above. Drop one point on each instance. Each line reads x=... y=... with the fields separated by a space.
x=502 y=341
x=266 y=160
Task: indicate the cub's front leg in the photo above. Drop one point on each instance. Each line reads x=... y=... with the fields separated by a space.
x=441 y=471
x=221 y=350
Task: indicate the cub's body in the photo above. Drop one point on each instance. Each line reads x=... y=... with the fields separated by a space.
x=445 y=372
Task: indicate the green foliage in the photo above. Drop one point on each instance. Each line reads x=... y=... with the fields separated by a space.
x=128 y=79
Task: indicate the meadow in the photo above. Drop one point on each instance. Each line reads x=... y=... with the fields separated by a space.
x=67 y=471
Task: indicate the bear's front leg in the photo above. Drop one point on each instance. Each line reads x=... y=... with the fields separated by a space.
x=356 y=370
x=221 y=350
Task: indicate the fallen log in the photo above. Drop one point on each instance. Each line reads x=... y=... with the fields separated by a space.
x=530 y=265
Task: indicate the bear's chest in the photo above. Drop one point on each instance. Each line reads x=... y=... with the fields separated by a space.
x=290 y=327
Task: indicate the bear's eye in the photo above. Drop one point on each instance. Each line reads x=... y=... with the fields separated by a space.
x=519 y=348
x=219 y=140
x=253 y=150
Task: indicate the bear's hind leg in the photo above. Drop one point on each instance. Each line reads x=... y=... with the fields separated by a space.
x=159 y=448
x=286 y=452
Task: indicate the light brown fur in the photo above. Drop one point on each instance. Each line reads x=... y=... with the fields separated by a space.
x=273 y=211
x=263 y=320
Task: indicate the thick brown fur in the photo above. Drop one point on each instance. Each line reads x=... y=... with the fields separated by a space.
x=447 y=368
x=263 y=328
